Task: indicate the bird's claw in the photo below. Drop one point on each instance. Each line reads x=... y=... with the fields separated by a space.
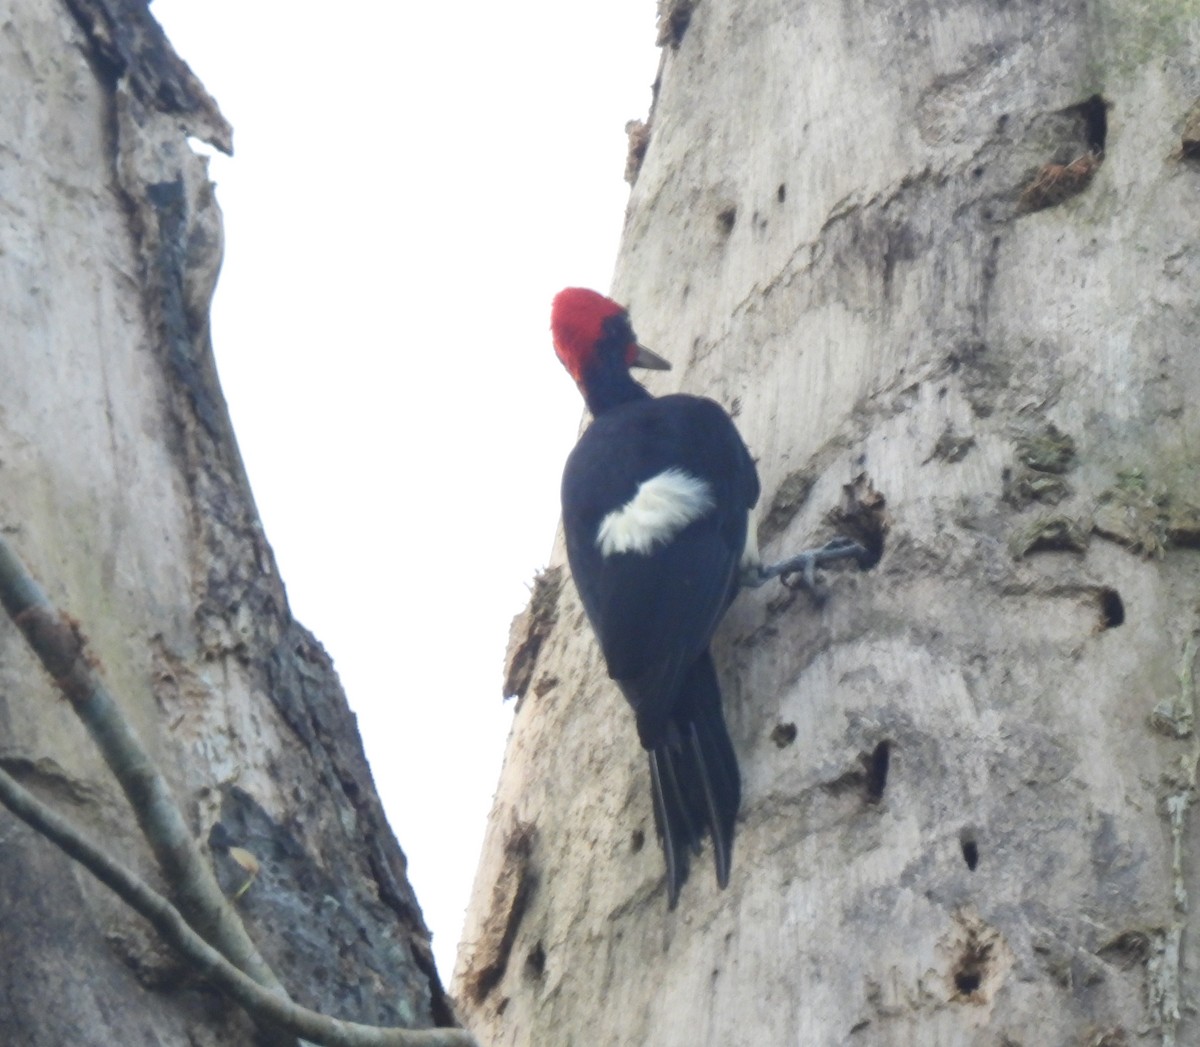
x=805 y=565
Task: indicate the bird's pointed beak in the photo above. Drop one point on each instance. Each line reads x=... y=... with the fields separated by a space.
x=643 y=357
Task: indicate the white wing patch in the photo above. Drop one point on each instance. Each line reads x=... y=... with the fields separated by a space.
x=662 y=507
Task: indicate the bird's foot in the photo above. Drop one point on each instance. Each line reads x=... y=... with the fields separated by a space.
x=805 y=565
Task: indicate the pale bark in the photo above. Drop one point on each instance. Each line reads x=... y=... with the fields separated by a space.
x=847 y=229
x=121 y=486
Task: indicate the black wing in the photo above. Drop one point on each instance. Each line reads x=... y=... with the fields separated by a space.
x=654 y=613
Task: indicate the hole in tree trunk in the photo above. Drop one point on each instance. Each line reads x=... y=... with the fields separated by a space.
x=1094 y=112
x=970 y=851
x=783 y=734
x=967 y=982
x=877 y=771
x=1112 y=609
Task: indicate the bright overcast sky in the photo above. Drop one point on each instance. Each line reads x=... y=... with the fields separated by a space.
x=412 y=184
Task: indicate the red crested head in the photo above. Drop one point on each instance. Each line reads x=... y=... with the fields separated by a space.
x=577 y=321
x=585 y=322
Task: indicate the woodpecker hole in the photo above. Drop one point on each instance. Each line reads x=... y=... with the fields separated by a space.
x=970 y=850
x=1076 y=159
x=979 y=959
x=877 y=771
x=781 y=193
x=783 y=734
x=1112 y=609
x=967 y=981
x=1094 y=113
x=1189 y=140
x=972 y=967
x=863 y=516
x=637 y=841
x=535 y=961
x=1127 y=950
x=726 y=219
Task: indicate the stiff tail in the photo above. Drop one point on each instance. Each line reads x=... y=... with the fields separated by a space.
x=695 y=779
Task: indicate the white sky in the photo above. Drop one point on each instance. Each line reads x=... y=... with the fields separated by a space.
x=412 y=184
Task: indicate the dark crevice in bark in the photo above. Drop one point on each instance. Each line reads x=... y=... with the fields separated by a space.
x=970 y=850
x=877 y=771
x=674 y=22
x=511 y=893
x=126 y=40
x=1094 y=114
x=1112 y=609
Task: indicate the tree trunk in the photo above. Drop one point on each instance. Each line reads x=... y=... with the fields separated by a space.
x=122 y=488
x=941 y=261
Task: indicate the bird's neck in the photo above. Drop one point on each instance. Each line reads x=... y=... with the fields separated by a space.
x=609 y=385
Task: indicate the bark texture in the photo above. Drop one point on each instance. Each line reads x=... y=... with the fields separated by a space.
x=122 y=488
x=941 y=261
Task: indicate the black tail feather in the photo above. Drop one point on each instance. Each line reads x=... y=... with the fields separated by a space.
x=695 y=779
x=722 y=843
x=672 y=831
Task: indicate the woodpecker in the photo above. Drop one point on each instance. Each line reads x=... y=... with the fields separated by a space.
x=658 y=502
x=657 y=498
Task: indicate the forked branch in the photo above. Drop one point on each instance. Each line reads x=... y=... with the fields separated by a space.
x=204 y=929
x=59 y=644
x=261 y=1003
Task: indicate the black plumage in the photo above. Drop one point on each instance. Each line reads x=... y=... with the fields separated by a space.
x=675 y=476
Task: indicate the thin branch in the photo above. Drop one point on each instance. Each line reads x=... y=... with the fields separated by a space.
x=60 y=645
x=263 y=1005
